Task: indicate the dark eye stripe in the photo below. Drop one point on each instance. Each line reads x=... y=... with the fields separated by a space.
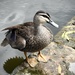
x=45 y=16
x=48 y=14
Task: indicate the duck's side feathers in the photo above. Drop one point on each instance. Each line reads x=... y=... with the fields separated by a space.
x=11 y=35
x=4 y=42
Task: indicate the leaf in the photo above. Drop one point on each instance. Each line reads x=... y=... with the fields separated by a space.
x=12 y=63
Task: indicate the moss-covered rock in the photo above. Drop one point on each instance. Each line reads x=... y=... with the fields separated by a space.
x=66 y=35
x=60 y=58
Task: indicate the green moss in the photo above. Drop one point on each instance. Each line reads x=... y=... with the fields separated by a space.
x=35 y=72
x=30 y=71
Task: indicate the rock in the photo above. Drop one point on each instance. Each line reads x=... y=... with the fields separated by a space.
x=66 y=35
x=58 y=64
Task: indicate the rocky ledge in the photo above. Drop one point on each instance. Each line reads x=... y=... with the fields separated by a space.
x=58 y=64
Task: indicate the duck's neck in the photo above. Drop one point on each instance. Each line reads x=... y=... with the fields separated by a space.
x=37 y=25
x=36 y=28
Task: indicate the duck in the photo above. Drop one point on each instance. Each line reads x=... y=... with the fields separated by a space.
x=30 y=36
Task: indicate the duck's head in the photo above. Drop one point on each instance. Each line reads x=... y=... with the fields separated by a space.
x=43 y=17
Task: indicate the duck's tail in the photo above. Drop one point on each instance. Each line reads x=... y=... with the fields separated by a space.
x=10 y=37
x=4 y=42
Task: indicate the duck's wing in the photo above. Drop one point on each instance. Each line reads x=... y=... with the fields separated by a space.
x=20 y=26
x=25 y=31
x=25 y=28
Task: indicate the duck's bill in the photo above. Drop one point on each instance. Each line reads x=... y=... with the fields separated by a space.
x=54 y=24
